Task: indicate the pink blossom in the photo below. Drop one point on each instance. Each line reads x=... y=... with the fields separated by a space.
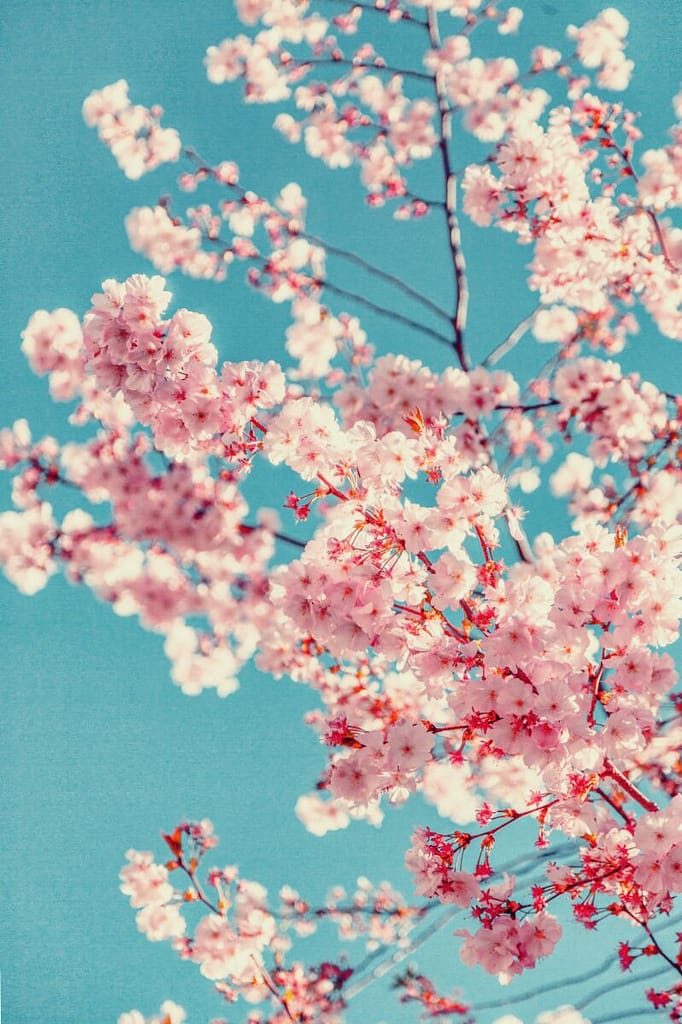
x=218 y=950
x=555 y=324
x=409 y=746
x=144 y=881
x=322 y=816
x=168 y=244
x=53 y=344
x=26 y=547
x=133 y=133
x=514 y=682
x=160 y=922
x=600 y=44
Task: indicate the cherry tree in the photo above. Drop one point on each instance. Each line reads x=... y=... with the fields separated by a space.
x=517 y=681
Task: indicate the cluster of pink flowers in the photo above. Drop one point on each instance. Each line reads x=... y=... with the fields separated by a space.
x=327 y=127
x=169 y=528
x=498 y=688
x=430 y=859
x=53 y=345
x=231 y=942
x=507 y=947
x=224 y=947
x=285 y=267
x=380 y=915
x=165 y=370
x=169 y=244
x=488 y=92
x=382 y=763
x=659 y=186
x=132 y=132
x=26 y=547
x=396 y=386
x=659 y=839
x=587 y=251
x=169 y=1013
x=148 y=886
x=600 y=44
x=315 y=338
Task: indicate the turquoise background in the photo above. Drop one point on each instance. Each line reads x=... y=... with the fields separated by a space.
x=100 y=751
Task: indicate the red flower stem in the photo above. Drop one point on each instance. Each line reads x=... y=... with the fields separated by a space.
x=201 y=895
x=647 y=928
x=332 y=490
x=614 y=806
x=271 y=987
x=611 y=772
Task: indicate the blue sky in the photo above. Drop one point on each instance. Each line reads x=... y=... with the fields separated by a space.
x=100 y=750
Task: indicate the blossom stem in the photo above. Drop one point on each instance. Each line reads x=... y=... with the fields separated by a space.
x=389 y=11
x=272 y=988
x=331 y=489
x=421 y=76
x=286 y=539
x=628 y=787
x=627 y=163
x=654 y=942
x=201 y=895
x=613 y=805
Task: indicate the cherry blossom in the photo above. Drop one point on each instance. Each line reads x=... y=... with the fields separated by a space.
x=132 y=132
x=169 y=1013
x=519 y=684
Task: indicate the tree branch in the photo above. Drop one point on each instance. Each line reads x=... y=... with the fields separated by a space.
x=389 y=314
x=459 y=317
x=382 y=275
x=511 y=340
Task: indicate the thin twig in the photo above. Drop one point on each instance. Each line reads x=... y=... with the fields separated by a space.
x=344 y=62
x=551 y=403
x=272 y=988
x=383 y=311
x=627 y=162
x=401 y=954
x=610 y=771
x=510 y=341
x=551 y=986
x=319 y=282
x=622 y=982
x=624 y=1014
x=383 y=275
x=406 y=17
x=289 y=540
x=336 y=250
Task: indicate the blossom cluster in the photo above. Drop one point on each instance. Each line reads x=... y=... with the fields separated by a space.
x=169 y=1013
x=503 y=679
x=237 y=931
x=132 y=132
x=588 y=250
x=165 y=370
